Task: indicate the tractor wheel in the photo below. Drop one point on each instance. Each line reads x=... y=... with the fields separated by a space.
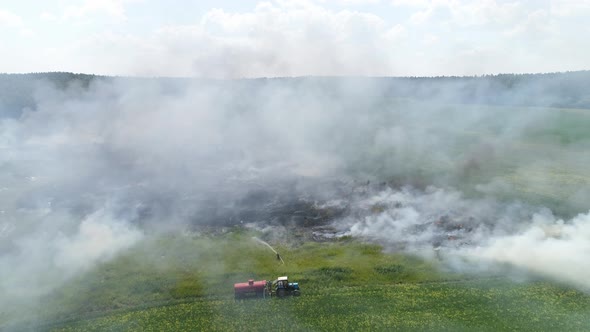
x=281 y=292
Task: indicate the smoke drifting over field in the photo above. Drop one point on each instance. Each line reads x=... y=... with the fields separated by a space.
x=476 y=233
x=86 y=172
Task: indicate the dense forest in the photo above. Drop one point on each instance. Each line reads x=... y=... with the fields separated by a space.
x=564 y=90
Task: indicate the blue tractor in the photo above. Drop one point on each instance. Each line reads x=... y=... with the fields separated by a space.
x=282 y=287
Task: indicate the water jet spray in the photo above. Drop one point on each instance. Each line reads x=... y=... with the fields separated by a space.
x=279 y=258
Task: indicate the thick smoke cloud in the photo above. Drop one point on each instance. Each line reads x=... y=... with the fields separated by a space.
x=60 y=247
x=475 y=234
x=549 y=247
x=435 y=217
x=87 y=171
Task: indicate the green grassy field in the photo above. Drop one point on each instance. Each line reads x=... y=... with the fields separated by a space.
x=185 y=282
x=477 y=305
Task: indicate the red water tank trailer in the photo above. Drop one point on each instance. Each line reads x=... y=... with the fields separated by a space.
x=250 y=289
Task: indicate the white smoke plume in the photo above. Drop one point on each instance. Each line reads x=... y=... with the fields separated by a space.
x=418 y=219
x=476 y=233
x=57 y=247
x=550 y=247
x=87 y=170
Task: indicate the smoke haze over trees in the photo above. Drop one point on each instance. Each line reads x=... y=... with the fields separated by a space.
x=91 y=164
x=567 y=90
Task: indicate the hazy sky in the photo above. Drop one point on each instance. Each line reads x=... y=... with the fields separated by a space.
x=249 y=38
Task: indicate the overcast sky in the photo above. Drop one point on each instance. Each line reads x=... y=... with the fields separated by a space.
x=249 y=38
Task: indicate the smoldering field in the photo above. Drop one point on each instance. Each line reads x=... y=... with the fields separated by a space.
x=90 y=171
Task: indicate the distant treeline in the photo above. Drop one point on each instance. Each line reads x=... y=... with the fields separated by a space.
x=17 y=91
x=564 y=90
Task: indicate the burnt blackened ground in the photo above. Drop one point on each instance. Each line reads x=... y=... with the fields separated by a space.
x=293 y=214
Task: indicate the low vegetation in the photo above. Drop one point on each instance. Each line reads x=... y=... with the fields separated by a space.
x=469 y=306
x=176 y=283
